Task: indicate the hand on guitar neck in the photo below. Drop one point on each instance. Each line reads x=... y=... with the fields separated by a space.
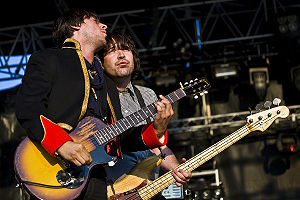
x=75 y=152
x=164 y=115
x=181 y=176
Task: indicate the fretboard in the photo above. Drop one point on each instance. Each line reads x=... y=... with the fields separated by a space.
x=164 y=181
x=112 y=131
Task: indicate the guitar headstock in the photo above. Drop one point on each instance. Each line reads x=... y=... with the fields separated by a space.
x=196 y=86
x=262 y=120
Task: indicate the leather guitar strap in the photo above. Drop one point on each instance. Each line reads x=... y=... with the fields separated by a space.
x=142 y=104
x=140 y=100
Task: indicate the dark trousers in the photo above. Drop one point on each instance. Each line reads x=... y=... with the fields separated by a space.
x=96 y=187
x=94 y=190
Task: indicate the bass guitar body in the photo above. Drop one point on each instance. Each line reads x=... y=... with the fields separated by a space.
x=127 y=188
x=48 y=177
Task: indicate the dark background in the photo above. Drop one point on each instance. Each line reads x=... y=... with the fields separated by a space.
x=257 y=167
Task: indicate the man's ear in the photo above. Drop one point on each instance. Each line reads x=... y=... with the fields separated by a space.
x=76 y=28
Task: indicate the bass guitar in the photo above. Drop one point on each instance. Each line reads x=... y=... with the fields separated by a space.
x=48 y=177
x=136 y=185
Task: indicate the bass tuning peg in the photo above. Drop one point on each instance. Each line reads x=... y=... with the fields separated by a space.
x=276 y=101
x=268 y=104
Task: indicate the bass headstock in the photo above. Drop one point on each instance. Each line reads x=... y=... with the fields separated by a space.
x=262 y=120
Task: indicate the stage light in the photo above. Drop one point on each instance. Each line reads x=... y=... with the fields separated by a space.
x=259 y=78
x=217 y=193
x=295 y=76
x=287 y=143
x=166 y=78
x=275 y=162
x=198 y=32
x=206 y=194
x=225 y=71
x=289 y=26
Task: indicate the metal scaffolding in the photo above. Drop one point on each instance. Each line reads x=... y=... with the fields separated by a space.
x=219 y=125
x=228 y=29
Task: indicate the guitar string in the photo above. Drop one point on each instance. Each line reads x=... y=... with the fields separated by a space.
x=135 y=195
x=238 y=137
x=207 y=152
x=218 y=144
x=191 y=162
x=167 y=180
x=160 y=182
x=90 y=141
x=171 y=177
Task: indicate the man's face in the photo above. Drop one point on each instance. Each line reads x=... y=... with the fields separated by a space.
x=94 y=31
x=118 y=63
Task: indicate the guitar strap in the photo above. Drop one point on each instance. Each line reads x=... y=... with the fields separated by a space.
x=140 y=99
x=142 y=104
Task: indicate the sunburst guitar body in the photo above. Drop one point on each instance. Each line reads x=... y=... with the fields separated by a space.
x=48 y=177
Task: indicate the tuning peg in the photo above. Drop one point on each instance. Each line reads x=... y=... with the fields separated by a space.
x=196 y=96
x=258 y=107
x=205 y=92
x=268 y=104
x=250 y=110
x=276 y=101
x=201 y=93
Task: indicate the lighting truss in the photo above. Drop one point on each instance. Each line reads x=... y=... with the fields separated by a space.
x=208 y=124
x=224 y=26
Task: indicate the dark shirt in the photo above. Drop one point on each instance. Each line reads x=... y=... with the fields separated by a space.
x=96 y=82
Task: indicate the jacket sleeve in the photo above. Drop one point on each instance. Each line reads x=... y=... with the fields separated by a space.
x=141 y=138
x=31 y=105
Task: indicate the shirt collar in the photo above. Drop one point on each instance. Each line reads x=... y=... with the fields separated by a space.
x=129 y=89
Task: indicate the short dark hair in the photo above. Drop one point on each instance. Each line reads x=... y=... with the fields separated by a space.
x=123 y=41
x=62 y=26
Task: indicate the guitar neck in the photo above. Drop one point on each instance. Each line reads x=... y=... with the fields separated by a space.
x=112 y=131
x=167 y=179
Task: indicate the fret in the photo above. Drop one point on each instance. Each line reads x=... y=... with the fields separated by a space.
x=176 y=95
x=135 y=120
x=122 y=121
x=99 y=137
x=139 y=117
x=147 y=111
x=152 y=109
x=126 y=122
x=173 y=96
x=119 y=124
x=113 y=130
x=116 y=128
x=142 y=114
x=110 y=130
x=96 y=137
x=104 y=135
x=107 y=131
x=169 y=98
x=132 y=122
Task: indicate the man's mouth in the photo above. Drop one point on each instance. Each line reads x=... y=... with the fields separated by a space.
x=122 y=63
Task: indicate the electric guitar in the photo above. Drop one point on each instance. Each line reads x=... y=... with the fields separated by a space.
x=136 y=184
x=48 y=177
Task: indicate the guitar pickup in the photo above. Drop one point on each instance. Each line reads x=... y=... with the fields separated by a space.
x=130 y=191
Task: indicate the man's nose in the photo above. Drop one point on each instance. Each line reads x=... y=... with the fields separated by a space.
x=121 y=54
x=103 y=26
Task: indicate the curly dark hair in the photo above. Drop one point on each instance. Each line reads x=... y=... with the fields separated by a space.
x=122 y=41
x=62 y=26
